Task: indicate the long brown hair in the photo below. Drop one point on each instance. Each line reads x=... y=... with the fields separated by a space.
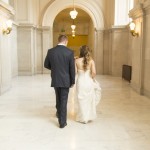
x=85 y=53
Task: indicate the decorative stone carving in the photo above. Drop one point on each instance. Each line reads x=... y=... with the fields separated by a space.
x=136 y=12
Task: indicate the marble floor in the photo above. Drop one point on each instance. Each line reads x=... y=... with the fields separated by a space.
x=28 y=122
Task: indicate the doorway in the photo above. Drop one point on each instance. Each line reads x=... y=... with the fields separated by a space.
x=84 y=31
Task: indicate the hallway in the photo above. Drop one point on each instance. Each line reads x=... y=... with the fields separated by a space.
x=28 y=122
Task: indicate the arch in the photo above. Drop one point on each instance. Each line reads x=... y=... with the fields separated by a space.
x=87 y=5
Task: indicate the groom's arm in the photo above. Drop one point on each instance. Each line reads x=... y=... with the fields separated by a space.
x=72 y=69
x=47 y=62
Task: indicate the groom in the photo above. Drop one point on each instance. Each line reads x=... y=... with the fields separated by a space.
x=60 y=60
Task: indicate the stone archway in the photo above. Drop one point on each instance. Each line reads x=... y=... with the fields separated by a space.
x=92 y=9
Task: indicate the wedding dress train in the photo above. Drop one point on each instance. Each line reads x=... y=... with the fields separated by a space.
x=86 y=97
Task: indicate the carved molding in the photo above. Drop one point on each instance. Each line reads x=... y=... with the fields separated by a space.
x=6 y=10
x=90 y=7
x=118 y=27
x=27 y=25
x=100 y=31
x=146 y=4
x=146 y=7
x=136 y=12
x=123 y=28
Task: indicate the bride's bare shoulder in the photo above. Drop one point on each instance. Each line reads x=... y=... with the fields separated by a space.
x=91 y=61
x=79 y=59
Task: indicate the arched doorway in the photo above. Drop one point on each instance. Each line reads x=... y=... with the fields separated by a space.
x=84 y=31
x=96 y=16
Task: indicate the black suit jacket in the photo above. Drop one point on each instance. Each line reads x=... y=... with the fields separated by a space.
x=60 y=60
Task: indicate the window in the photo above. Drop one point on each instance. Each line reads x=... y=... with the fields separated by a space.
x=122 y=8
x=6 y=1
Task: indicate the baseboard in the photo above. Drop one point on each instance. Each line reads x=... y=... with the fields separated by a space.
x=146 y=93
x=136 y=88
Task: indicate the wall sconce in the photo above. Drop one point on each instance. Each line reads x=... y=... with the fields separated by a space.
x=8 y=27
x=132 y=29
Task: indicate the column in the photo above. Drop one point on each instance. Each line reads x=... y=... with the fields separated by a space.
x=98 y=51
x=26 y=49
x=47 y=37
x=137 y=50
x=6 y=12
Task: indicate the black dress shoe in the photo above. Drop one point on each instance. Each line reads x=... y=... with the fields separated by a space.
x=62 y=126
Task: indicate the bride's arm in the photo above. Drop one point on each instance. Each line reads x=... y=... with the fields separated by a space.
x=93 y=69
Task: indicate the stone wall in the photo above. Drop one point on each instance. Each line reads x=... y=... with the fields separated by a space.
x=6 y=55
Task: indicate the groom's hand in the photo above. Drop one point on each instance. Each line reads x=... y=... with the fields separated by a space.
x=72 y=86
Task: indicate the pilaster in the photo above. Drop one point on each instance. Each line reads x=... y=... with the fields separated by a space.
x=99 y=51
x=47 y=37
x=26 y=49
x=6 y=11
x=137 y=14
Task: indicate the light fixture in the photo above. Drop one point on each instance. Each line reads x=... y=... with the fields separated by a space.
x=73 y=27
x=73 y=32
x=132 y=29
x=8 y=27
x=73 y=13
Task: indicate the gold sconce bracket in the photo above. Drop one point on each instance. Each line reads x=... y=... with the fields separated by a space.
x=132 y=29
x=8 y=27
x=7 y=31
x=133 y=33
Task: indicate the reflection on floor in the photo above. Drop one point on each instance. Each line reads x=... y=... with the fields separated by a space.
x=28 y=122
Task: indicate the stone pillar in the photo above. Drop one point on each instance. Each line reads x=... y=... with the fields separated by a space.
x=39 y=51
x=107 y=51
x=26 y=49
x=137 y=50
x=47 y=39
x=110 y=51
x=119 y=49
x=14 y=51
x=99 y=51
x=6 y=11
x=145 y=24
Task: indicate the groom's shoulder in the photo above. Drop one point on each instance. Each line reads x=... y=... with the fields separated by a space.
x=69 y=50
x=51 y=49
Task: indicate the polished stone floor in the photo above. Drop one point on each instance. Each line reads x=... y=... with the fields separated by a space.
x=28 y=122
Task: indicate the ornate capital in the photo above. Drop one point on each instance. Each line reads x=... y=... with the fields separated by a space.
x=136 y=12
x=146 y=7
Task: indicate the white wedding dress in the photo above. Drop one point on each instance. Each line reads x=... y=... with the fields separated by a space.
x=86 y=98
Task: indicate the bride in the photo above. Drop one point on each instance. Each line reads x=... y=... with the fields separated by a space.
x=85 y=92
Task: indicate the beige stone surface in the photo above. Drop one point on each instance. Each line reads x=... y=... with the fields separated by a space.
x=27 y=118
x=112 y=46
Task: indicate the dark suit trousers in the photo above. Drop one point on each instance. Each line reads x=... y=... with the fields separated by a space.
x=61 y=104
